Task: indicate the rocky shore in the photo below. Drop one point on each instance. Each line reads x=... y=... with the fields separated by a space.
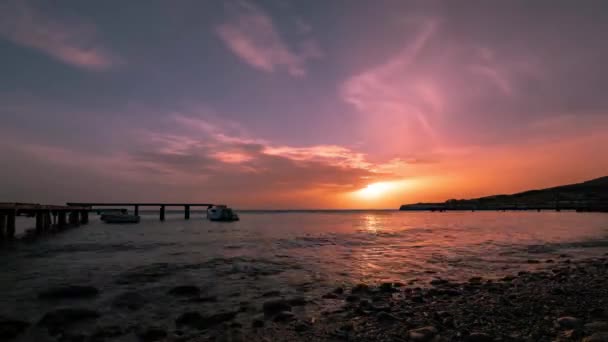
x=567 y=301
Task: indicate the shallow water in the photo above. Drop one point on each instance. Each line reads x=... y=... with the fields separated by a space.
x=297 y=253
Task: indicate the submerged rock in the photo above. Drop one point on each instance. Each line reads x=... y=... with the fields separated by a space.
x=274 y=306
x=11 y=328
x=185 y=290
x=284 y=316
x=71 y=291
x=66 y=316
x=194 y=319
x=152 y=334
x=129 y=300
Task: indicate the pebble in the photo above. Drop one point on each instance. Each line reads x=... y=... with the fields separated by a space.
x=196 y=320
x=297 y=301
x=274 y=306
x=152 y=334
x=330 y=296
x=479 y=337
x=284 y=316
x=360 y=288
x=424 y=334
x=71 y=291
x=185 y=290
x=567 y=322
x=271 y=294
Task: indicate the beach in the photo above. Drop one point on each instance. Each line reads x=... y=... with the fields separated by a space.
x=321 y=276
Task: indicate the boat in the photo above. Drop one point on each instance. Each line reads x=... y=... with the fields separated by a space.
x=221 y=213
x=120 y=218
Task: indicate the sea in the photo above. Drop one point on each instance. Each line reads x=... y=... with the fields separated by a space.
x=240 y=265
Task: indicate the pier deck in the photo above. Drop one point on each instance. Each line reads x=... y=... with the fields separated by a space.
x=136 y=206
x=48 y=217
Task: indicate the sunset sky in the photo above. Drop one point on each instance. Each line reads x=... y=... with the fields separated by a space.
x=299 y=104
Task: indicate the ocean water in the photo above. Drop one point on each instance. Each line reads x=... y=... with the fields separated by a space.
x=297 y=253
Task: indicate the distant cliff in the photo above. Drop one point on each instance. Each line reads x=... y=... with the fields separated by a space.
x=587 y=196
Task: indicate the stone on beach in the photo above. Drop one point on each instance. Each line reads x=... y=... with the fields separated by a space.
x=568 y=322
x=479 y=337
x=424 y=334
x=70 y=291
x=152 y=334
x=274 y=306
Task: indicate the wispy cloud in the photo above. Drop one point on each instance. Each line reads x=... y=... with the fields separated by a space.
x=252 y=36
x=68 y=39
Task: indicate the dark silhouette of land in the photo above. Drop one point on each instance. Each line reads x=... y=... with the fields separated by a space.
x=587 y=196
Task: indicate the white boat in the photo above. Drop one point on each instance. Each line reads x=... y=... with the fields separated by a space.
x=221 y=213
x=120 y=218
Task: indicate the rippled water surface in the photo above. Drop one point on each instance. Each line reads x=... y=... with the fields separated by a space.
x=304 y=253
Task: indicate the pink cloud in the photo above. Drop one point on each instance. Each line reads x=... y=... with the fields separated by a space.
x=252 y=36
x=66 y=39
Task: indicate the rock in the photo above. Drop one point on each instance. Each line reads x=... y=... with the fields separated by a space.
x=185 y=290
x=549 y=261
x=597 y=337
x=206 y=299
x=532 y=261
x=129 y=300
x=438 y=282
x=257 y=323
x=191 y=319
x=359 y=288
x=384 y=316
x=352 y=298
x=479 y=337
x=152 y=334
x=103 y=332
x=475 y=280
x=71 y=291
x=424 y=334
x=338 y=290
x=284 y=316
x=271 y=294
x=387 y=287
x=274 y=306
x=567 y=322
x=66 y=316
x=194 y=319
x=597 y=326
x=297 y=301
x=302 y=326
x=597 y=312
x=11 y=328
x=330 y=296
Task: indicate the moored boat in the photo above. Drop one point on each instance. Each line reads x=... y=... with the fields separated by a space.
x=221 y=213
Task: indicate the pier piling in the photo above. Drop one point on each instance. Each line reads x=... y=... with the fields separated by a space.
x=61 y=220
x=187 y=212
x=162 y=212
x=2 y=226
x=10 y=225
x=136 y=210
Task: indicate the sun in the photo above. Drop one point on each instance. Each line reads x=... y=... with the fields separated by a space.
x=374 y=190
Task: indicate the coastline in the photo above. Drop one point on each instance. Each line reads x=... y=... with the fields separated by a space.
x=567 y=301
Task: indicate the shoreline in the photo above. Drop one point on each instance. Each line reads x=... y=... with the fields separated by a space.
x=566 y=301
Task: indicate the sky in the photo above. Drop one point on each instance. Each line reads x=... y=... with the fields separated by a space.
x=299 y=104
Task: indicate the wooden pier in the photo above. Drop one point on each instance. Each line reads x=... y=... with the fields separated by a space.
x=162 y=206
x=48 y=217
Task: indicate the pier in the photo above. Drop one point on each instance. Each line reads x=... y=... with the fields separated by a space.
x=162 y=206
x=48 y=217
